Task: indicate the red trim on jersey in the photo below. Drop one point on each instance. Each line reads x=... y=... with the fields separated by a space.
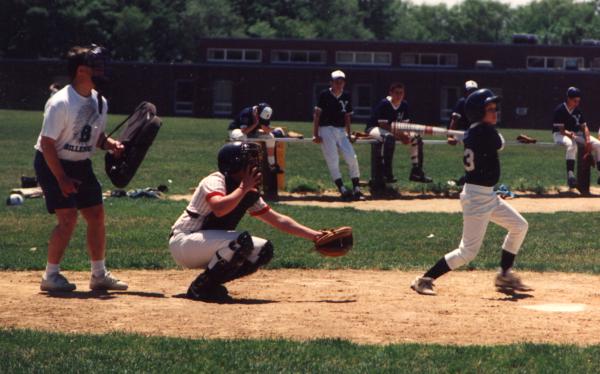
x=212 y=194
x=261 y=211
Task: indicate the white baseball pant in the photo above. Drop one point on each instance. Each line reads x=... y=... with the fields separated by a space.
x=195 y=250
x=480 y=206
x=571 y=145
x=333 y=138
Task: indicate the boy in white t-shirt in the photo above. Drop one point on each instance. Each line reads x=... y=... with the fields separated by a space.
x=74 y=124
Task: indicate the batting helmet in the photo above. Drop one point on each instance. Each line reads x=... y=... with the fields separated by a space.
x=573 y=92
x=264 y=112
x=233 y=157
x=476 y=102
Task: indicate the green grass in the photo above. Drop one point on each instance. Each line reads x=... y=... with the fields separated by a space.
x=137 y=238
x=28 y=351
x=186 y=148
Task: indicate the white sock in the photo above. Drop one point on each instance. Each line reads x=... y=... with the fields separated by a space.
x=52 y=269
x=571 y=174
x=98 y=268
x=271 y=160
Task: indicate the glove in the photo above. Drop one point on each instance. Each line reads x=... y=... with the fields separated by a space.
x=522 y=138
x=334 y=242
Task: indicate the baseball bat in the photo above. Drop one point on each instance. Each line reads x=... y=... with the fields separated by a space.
x=423 y=129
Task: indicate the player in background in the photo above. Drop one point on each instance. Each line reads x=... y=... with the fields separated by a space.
x=254 y=123
x=394 y=108
x=458 y=119
x=73 y=127
x=569 y=128
x=331 y=129
x=205 y=236
x=479 y=201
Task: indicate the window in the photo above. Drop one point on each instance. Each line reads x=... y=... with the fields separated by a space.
x=184 y=97
x=234 y=55
x=449 y=97
x=362 y=100
x=363 y=58
x=429 y=59
x=222 y=98
x=554 y=62
x=297 y=57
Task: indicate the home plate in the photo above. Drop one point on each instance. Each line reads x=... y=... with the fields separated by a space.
x=560 y=308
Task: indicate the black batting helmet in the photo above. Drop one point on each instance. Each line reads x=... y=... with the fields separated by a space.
x=476 y=102
x=573 y=92
x=235 y=156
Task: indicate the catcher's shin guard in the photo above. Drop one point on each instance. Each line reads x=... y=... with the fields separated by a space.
x=264 y=257
x=389 y=145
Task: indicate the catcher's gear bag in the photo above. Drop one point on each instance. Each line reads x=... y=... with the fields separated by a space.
x=140 y=130
x=334 y=242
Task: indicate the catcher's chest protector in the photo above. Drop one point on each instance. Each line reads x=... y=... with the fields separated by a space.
x=231 y=220
x=140 y=130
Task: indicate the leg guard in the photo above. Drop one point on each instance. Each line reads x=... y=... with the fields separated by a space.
x=264 y=257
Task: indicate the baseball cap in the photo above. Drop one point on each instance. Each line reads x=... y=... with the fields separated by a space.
x=573 y=92
x=265 y=112
x=471 y=85
x=338 y=74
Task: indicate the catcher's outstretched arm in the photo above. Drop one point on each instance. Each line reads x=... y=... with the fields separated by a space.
x=288 y=225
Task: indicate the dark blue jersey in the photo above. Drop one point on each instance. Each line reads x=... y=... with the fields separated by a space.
x=334 y=109
x=246 y=119
x=481 y=161
x=571 y=120
x=462 y=123
x=384 y=110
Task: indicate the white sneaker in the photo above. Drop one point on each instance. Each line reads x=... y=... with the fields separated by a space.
x=107 y=282
x=510 y=281
x=56 y=283
x=423 y=285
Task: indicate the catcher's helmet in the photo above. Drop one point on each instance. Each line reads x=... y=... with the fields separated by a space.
x=573 y=92
x=233 y=157
x=476 y=102
x=264 y=112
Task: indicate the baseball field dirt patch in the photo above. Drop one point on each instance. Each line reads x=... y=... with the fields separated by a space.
x=364 y=306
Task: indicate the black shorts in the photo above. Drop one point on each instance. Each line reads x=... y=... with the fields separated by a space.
x=89 y=192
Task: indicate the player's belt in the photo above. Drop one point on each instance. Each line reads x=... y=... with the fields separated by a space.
x=192 y=214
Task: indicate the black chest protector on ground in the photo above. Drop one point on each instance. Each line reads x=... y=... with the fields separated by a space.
x=231 y=220
x=140 y=130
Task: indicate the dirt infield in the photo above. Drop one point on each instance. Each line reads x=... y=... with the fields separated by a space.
x=360 y=305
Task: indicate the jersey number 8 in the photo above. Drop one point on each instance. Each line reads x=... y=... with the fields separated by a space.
x=86 y=134
x=469 y=160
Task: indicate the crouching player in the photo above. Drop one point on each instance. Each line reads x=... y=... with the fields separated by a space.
x=205 y=236
x=479 y=201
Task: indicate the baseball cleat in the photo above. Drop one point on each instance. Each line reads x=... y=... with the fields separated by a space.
x=106 y=283
x=423 y=285
x=510 y=281
x=275 y=169
x=418 y=175
x=572 y=182
x=358 y=196
x=202 y=289
x=346 y=195
x=56 y=283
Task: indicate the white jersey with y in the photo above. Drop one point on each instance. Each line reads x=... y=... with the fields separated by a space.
x=212 y=185
x=74 y=123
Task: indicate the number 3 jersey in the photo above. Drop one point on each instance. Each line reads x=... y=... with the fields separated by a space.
x=482 y=165
x=74 y=123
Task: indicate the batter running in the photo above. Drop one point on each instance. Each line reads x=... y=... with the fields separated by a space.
x=479 y=201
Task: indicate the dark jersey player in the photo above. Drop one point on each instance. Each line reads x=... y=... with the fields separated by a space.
x=569 y=128
x=479 y=202
x=458 y=119
x=394 y=108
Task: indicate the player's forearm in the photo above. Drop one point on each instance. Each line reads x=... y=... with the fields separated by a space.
x=51 y=157
x=222 y=205
x=290 y=226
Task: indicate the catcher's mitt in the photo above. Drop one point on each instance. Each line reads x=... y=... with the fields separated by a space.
x=334 y=242
x=522 y=138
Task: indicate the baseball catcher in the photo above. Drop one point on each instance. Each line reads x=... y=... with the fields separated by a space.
x=205 y=236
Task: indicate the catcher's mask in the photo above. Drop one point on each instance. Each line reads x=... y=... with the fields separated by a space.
x=235 y=156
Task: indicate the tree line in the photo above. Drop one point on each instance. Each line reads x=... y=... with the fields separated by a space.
x=168 y=30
